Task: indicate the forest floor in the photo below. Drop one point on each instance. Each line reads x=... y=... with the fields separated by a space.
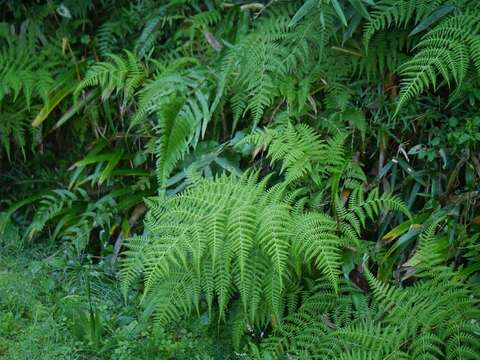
x=43 y=315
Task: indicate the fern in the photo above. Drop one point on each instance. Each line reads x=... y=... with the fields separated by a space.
x=277 y=257
x=359 y=209
x=183 y=108
x=24 y=78
x=117 y=74
x=203 y=20
x=317 y=240
x=301 y=151
x=385 y=53
x=12 y=130
x=255 y=86
x=106 y=37
x=434 y=318
x=266 y=64
x=152 y=29
x=233 y=236
x=20 y=68
x=398 y=13
x=230 y=238
x=76 y=216
x=51 y=206
x=174 y=133
x=448 y=50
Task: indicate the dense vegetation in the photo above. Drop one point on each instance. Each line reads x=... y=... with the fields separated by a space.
x=240 y=180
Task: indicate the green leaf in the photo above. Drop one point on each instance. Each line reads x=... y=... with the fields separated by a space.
x=93 y=159
x=339 y=11
x=470 y=269
x=434 y=17
x=74 y=109
x=412 y=232
x=206 y=113
x=53 y=102
x=352 y=26
x=414 y=174
x=110 y=166
x=228 y=165
x=14 y=207
x=357 y=120
x=304 y=9
x=131 y=172
x=403 y=227
x=357 y=5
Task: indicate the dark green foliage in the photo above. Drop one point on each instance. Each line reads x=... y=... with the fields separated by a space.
x=301 y=178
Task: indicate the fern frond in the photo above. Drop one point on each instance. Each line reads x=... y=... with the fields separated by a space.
x=174 y=133
x=445 y=50
x=236 y=237
x=133 y=263
x=398 y=13
x=298 y=147
x=51 y=206
x=275 y=236
x=240 y=233
x=117 y=74
x=316 y=240
x=423 y=321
